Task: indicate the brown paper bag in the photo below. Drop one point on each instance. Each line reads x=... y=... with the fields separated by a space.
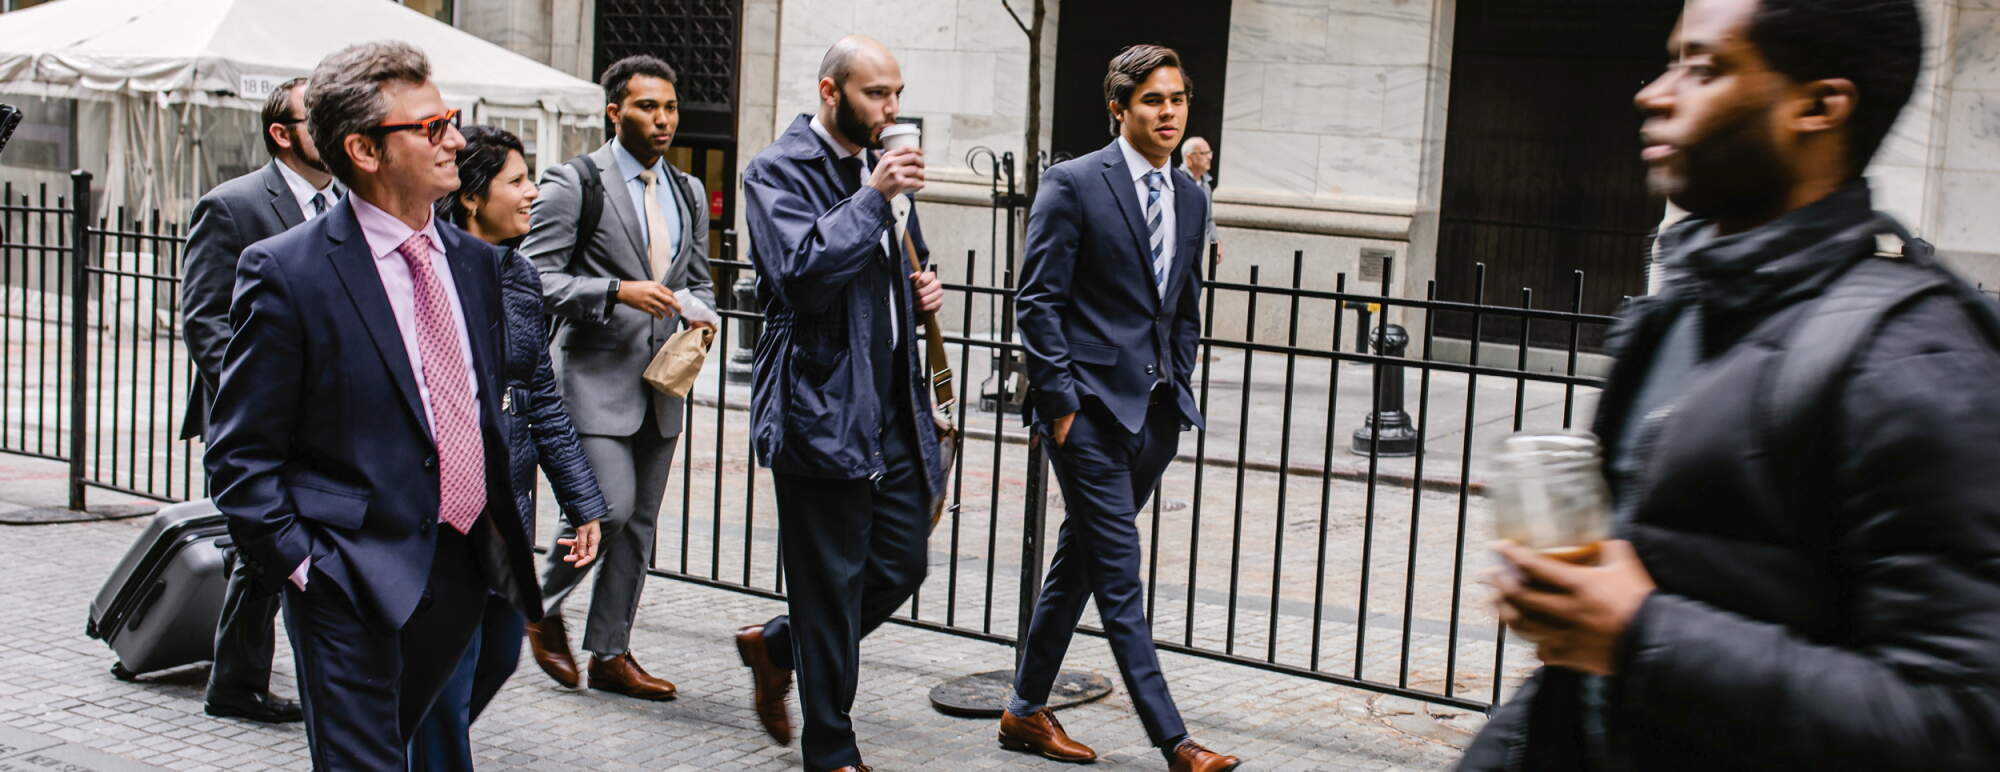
x=675 y=366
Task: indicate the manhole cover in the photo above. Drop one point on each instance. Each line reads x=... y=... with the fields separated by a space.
x=984 y=695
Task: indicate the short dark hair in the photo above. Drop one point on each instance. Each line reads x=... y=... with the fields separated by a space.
x=1132 y=67
x=278 y=110
x=620 y=73
x=482 y=158
x=344 y=95
x=1876 y=44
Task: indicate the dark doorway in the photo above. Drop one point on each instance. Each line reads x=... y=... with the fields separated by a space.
x=699 y=38
x=1093 y=31
x=1541 y=168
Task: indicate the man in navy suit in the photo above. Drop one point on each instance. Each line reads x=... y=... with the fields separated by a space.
x=1109 y=314
x=354 y=438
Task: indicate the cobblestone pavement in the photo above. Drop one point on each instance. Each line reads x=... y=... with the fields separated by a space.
x=59 y=688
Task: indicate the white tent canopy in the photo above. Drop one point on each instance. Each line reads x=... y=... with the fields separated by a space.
x=157 y=60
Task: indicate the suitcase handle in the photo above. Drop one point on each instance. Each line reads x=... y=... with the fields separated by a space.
x=145 y=603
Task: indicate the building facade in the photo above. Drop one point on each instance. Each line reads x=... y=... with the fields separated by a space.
x=1440 y=133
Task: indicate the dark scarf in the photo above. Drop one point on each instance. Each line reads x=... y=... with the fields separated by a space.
x=1741 y=278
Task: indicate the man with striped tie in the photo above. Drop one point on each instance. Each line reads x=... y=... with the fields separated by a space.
x=355 y=442
x=1109 y=314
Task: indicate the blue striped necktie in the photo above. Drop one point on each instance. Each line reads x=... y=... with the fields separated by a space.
x=1157 y=237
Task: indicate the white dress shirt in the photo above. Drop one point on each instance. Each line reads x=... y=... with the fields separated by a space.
x=1139 y=166
x=303 y=191
x=840 y=152
x=664 y=190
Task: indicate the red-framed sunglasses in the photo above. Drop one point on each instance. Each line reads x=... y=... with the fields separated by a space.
x=433 y=127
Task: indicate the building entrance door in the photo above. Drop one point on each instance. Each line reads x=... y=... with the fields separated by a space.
x=1541 y=168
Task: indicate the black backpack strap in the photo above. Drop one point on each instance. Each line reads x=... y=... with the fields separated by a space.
x=1821 y=347
x=590 y=184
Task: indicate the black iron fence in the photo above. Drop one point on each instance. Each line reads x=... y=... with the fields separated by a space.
x=1292 y=534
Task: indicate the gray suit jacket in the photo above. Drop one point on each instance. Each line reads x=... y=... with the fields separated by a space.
x=231 y=217
x=600 y=349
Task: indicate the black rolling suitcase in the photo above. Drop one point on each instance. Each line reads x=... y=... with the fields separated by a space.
x=159 y=607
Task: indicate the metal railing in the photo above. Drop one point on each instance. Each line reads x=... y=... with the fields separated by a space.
x=1269 y=543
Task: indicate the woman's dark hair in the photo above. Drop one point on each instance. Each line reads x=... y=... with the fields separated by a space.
x=484 y=155
x=1876 y=44
x=1132 y=67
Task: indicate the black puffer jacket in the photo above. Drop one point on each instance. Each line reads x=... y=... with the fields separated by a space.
x=1849 y=620
x=538 y=428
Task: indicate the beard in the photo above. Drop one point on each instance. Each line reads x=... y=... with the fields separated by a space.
x=1734 y=172
x=851 y=126
x=307 y=154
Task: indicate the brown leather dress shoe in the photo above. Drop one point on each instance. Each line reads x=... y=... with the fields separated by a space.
x=622 y=675
x=548 y=642
x=1189 y=756
x=768 y=684
x=1042 y=734
x=856 y=768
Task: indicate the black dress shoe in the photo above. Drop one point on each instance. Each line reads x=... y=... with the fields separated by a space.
x=265 y=707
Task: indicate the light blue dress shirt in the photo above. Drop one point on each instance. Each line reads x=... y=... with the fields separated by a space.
x=665 y=189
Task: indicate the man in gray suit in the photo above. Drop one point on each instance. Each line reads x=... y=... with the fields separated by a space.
x=289 y=190
x=612 y=293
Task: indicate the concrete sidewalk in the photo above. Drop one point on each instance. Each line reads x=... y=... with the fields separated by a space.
x=60 y=690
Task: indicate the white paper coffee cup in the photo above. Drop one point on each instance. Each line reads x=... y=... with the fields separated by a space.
x=897 y=135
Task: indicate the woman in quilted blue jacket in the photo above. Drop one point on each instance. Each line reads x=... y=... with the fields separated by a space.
x=495 y=191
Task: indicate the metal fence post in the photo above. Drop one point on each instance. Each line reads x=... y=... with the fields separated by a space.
x=79 y=309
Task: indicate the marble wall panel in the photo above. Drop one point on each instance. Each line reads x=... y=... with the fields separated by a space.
x=1975 y=53
x=1271 y=161
x=1974 y=133
x=1966 y=220
x=904 y=25
x=1369 y=167
x=817 y=23
x=1324 y=99
x=1280 y=31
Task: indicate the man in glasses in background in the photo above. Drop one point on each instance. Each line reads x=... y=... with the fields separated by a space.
x=353 y=442
x=1197 y=160
x=293 y=188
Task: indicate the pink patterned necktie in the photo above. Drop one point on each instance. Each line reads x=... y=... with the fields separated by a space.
x=454 y=416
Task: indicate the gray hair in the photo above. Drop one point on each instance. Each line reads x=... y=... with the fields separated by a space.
x=344 y=95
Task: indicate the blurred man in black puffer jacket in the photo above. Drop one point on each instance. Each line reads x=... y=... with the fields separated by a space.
x=1821 y=594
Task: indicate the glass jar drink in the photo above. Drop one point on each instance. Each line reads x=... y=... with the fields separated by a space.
x=1549 y=494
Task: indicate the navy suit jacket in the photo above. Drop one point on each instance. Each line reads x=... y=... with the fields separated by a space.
x=319 y=443
x=814 y=411
x=1090 y=316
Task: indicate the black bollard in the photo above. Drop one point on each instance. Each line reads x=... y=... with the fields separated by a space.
x=747 y=330
x=1388 y=431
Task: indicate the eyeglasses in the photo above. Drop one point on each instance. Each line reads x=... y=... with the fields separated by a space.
x=289 y=121
x=433 y=127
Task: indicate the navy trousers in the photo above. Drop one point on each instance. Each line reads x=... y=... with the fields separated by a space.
x=365 y=689
x=443 y=742
x=1106 y=475
x=855 y=550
